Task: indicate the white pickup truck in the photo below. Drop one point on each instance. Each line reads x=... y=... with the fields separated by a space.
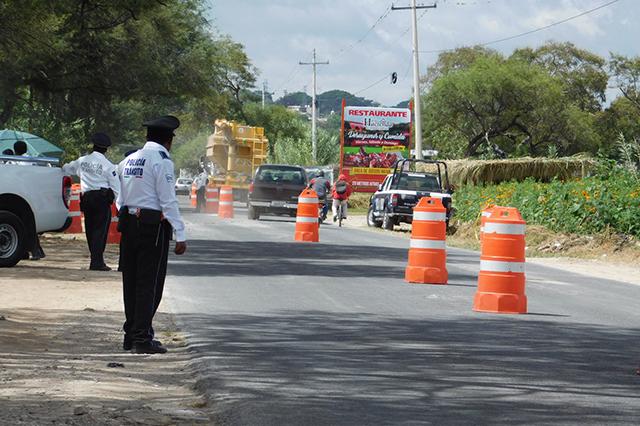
x=34 y=198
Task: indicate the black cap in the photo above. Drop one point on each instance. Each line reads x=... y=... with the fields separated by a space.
x=166 y=122
x=101 y=140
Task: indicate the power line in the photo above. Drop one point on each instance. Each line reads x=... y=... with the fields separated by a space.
x=347 y=48
x=530 y=31
x=288 y=79
x=375 y=83
x=406 y=30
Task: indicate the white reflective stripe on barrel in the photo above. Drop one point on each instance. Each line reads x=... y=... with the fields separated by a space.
x=212 y=199
x=486 y=214
x=504 y=228
x=482 y=229
x=307 y=200
x=226 y=203
x=428 y=244
x=305 y=219
x=74 y=198
x=226 y=191
x=74 y=214
x=499 y=266
x=212 y=190
x=430 y=216
x=114 y=218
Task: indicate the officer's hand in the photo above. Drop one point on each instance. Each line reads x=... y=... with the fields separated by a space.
x=181 y=247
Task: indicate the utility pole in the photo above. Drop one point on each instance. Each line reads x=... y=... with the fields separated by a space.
x=314 y=145
x=416 y=72
x=265 y=92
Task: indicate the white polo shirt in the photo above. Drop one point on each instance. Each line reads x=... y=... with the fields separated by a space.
x=147 y=181
x=95 y=172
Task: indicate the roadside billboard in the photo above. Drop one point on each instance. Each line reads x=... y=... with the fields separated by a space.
x=372 y=140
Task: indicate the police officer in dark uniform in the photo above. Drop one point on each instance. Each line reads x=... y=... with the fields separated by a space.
x=99 y=186
x=148 y=210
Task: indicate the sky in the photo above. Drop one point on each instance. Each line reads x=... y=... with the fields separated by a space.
x=277 y=34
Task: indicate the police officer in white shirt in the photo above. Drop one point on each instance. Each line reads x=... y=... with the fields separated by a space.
x=148 y=213
x=99 y=186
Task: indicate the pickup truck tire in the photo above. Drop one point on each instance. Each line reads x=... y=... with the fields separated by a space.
x=371 y=220
x=12 y=239
x=253 y=213
x=387 y=222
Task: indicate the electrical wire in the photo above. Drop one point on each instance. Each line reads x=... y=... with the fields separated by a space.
x=347 y=48
x=382 y=79
x=553 y=24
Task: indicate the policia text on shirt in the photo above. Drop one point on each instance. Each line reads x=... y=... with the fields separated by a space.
x=148 y=211
x=99 y=186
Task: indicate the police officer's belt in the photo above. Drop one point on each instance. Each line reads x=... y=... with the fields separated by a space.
x=144 y=216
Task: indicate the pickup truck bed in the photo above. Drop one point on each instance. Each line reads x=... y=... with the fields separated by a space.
x=33 y=199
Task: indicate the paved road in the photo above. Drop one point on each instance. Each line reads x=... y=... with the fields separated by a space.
x=329 y=333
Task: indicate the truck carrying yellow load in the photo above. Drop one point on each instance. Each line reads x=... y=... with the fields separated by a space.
x=236 y=151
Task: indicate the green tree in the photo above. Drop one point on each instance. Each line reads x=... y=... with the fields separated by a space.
x=626 y=73
x=504 y=105
x=279 y=123
x=582 y=72
x=456 y=60
x=96 y=65
x=299 y=152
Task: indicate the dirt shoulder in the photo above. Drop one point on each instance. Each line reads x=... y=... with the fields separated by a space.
x=611 y=257
x=60 y=332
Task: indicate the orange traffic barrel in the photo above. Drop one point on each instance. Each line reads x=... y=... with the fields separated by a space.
x=501 y=280
x=113 y=237
x=74 y=211
x=486 y=212
x=225 y=208
x=194 y=195
x=211 y=205
x=428 y=250
x=307 y=225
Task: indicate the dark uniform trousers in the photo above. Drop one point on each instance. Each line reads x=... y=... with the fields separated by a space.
x=144 y=251
x=96 y=206
x=201 y=199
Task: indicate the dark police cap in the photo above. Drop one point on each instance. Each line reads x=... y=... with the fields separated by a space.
x=101 y=140
x=166 y=122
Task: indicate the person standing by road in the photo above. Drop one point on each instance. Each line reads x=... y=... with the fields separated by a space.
x=148 y=211
x=340 y=194
x=201 y=182
x=99 y=186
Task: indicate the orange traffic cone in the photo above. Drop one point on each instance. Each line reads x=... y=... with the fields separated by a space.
x=225 y=209
x=307 y=225
x=74 y=211
x=428 y=251
x=194 y=195
x=211 y=205
x=501 y=280
x=113 y=237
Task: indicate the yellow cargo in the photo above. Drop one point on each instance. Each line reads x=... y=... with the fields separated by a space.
x=236 y=151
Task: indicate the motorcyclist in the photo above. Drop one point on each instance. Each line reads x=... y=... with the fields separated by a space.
x=321 y=186
x=340 y=192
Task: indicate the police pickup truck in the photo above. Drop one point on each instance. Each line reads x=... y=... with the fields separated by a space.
x=400 y=191
x=34 y=198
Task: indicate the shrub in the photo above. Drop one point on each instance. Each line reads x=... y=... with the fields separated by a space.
x=609 y=201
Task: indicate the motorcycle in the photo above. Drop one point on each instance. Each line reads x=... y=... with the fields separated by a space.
x=323 y=209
